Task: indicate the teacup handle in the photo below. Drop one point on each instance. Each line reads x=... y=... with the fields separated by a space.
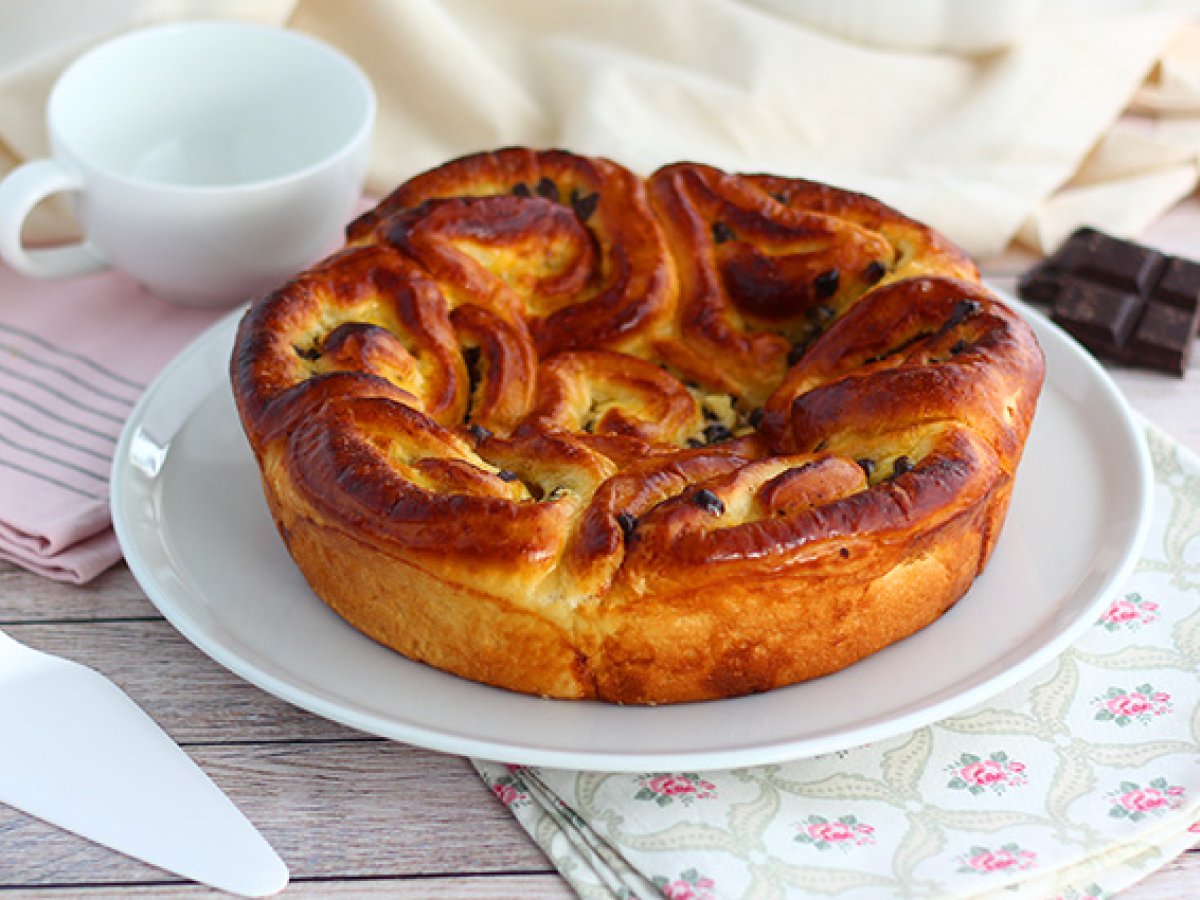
x=23 y=189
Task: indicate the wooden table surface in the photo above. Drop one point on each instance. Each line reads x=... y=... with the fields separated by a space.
x=354 y=815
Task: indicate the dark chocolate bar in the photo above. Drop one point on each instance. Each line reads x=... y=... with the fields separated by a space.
x=1120 y=299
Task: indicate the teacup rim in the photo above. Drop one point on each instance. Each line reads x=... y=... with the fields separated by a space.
x=348 y=147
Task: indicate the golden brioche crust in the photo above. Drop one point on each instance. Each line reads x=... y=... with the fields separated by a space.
x=557 y=428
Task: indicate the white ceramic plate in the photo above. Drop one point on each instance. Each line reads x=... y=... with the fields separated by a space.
x=195 y=530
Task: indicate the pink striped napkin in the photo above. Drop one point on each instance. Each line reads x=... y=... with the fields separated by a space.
x=75 y=356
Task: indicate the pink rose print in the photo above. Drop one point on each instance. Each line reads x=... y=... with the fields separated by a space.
x=1142 y=704
x=671 y=784
x=975 y=774
x=1130 y=611
x=508 y=791
x=664 y=789
x=985 y=772
x=690 y=885
x=1005 y=858
x=1135 y=802
x=844 y=832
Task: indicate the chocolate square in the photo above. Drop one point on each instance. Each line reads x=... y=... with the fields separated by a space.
x=1099 y=317
x=1110 y=260
x=1164 y=337
x=1179 y=284
x=1078 y=245
x=1041 y=285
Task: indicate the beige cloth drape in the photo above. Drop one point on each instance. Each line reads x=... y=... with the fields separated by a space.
x=1093 y=115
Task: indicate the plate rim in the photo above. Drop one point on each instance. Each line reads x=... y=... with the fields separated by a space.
x=926 y=713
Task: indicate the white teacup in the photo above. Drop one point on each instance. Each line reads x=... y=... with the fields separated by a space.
x=208 y=160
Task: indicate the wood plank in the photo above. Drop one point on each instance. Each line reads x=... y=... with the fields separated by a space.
x=469 y=887
x=366 y=809
x=189 y=695
x=1177 y=880
x=334 y=802
x=115 y=594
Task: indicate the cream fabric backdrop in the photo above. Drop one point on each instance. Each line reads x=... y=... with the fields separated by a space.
x=1027 y=142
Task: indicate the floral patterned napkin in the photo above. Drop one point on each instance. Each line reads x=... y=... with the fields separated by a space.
x=1073 y=784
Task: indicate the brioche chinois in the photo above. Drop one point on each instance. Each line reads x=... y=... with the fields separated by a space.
x=559 y=428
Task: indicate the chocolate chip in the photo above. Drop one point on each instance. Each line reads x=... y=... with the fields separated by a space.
x=627 y=522
x=867 y=465
x=756 y=417
x=478 y=432
x=821 y=314
x=722 y=233
x=312 y=354
x=506 y=475
x=547 y=188
x=584 y=206
x=959 y=347
x=716 y=433
x=474 y=375
x=826 y=284
x=874 y=271
x=780 y=198
x=900 y=465
x=708 y=501
x=521 y=189
x=962 y=311
x=844 y=552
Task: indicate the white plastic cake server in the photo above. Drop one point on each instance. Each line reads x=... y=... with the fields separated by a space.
x=77 y=752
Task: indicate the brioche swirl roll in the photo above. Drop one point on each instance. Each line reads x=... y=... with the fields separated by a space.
x=561 y=429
